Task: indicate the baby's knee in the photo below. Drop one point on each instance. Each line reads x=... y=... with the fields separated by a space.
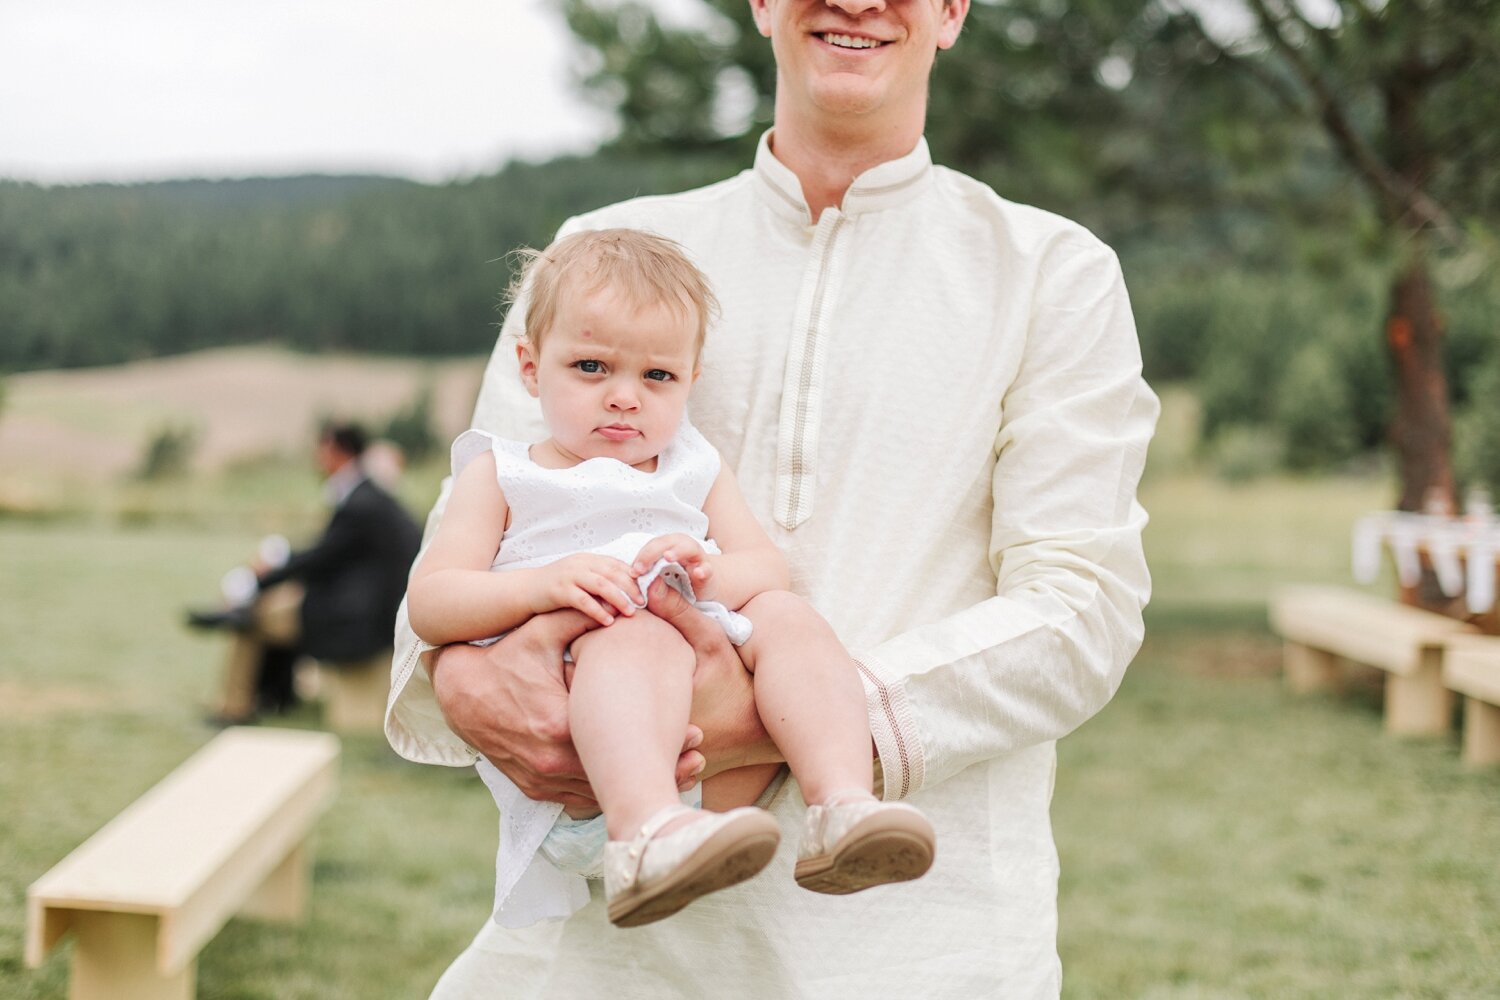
x=642 y=636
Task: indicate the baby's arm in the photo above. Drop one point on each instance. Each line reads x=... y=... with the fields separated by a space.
x=750 y=562
x=453 y=596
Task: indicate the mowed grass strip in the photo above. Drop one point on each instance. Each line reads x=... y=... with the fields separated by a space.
x=1222 y=838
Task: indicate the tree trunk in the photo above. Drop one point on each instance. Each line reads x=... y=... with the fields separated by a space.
x=1421 y=432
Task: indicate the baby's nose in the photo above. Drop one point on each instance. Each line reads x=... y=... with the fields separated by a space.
x=622 y=398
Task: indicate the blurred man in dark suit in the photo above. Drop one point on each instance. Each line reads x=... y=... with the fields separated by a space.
x=335 y=600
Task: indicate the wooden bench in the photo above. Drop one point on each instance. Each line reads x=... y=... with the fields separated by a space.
x=225 y=833
x=1471 y=667
x=354 y=694
x=1323 y=624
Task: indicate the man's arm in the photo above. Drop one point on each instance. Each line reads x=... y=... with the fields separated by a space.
x=343 y=536
x=1050 y=649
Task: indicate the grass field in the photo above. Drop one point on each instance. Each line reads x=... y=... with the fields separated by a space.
x=1219 y=838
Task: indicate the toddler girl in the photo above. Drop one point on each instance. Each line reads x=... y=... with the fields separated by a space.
x=625 y=489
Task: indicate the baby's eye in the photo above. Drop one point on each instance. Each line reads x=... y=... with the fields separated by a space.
x=658 y=375
x=589 y=366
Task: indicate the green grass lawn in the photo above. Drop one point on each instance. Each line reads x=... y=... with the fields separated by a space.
x=1219 y=838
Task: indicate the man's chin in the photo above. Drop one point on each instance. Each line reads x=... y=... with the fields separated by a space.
x=848 y=95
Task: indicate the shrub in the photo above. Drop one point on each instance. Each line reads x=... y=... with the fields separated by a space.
x=1314 y=412
x=410 y=428
x=1476 y=431
x=1243 y=452
x=168 y=452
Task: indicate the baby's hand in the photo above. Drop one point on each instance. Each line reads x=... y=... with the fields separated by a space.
x=685 y=551
x=593 y=584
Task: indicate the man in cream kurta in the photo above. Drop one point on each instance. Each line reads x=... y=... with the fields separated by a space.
x=932 y=399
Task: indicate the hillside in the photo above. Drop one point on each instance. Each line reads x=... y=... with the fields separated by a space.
x=91 y=425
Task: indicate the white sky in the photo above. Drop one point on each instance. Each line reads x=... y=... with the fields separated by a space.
x=150 y=89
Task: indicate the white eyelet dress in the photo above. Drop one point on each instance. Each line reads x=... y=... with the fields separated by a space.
x=609 y=508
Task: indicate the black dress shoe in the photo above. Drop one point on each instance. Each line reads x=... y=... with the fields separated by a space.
x=236 y=619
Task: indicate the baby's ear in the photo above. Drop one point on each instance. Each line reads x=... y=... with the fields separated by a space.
x=526 y=355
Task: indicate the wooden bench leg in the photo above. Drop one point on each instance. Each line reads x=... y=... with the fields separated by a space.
x=355 y=694
x=1308 y=670
x=1418 y=704
x=283 y=895
x=115 y=959
x=1481 y=733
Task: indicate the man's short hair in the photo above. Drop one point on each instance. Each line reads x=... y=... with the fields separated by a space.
x=645 y=269
x=349 y=438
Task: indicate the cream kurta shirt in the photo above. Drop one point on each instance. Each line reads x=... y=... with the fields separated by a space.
x=932 y=399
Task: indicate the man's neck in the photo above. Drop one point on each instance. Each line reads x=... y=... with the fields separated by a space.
x=341 y=482
x=827 y=159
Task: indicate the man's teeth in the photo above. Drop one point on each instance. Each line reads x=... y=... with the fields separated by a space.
x=850 y=42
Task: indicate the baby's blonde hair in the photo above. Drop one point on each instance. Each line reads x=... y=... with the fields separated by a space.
x=647 y=270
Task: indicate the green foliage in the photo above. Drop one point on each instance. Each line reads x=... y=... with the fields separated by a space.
x=1477 y=430
x=1242 y=452
x=411 y=428
x=105 y=274
x=1314 y=410
x=168 y=452
x=1244 y=236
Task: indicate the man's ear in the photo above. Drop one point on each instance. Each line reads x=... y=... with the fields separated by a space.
x=954 y=12
x=760 y=10
x=526 y=356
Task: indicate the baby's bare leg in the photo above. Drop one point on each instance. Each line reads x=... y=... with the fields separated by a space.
x=808 y=693
x=628 y=708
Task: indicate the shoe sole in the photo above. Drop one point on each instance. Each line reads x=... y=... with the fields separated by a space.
x=728 y=857
x=878 y=851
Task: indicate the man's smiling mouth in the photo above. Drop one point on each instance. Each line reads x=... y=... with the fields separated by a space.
x=850 y=41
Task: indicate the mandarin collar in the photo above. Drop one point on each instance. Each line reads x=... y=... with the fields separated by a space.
x=883 y=186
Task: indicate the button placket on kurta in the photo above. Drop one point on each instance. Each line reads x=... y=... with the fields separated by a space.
x=802 y=386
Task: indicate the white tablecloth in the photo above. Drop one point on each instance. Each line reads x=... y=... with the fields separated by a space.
x=1452 y=543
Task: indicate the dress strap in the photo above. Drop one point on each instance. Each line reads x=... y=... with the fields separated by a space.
x=468 y=446
x=474 y=442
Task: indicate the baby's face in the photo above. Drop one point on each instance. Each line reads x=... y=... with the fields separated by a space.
x=613 y=381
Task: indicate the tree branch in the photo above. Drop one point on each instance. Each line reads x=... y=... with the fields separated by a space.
x=1288 y=98
x=1463 y=53
x=1322 y=36
x=1399 y=197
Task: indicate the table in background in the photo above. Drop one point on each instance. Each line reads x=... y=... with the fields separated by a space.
x=1462 y=553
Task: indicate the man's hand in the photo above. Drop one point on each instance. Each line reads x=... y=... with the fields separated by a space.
x=723 y=690
x=509 y=701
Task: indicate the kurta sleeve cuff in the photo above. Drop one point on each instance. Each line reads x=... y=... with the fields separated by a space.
x=902 y=757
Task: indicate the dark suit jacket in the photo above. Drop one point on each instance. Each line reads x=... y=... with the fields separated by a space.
x=354 y=576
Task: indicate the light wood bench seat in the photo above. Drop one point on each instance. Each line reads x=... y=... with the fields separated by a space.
x=1321 y=625
x=1471 y=667
x=354 y=694
x=225 y=833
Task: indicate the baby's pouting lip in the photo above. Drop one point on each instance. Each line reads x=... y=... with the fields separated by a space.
x=618 y=432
